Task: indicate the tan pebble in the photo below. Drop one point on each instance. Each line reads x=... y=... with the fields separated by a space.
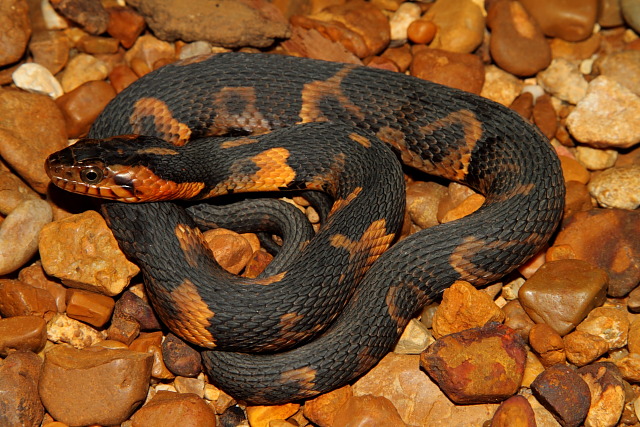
x=401 y=56
x=515 y=411
x=503 y=87
x=50 y=49
x=583 y=348
x=23 y=333
x=62 y=329
x=415 y=338
x=258 y=262
x=111 y=344
x=97 y=45
x=609 y=323
x=148 y=49
x=260 y=416
x=19 y=376
x=517 y=319
x=14 y=18
x=421 y=31
x=140 y=67
x=322 y=409
x=146 y=340
x=556 y=253
x=464 y=307
x=633 y=302
x=33 y=275
x=167 y=408
x=576 y=50
x=617 y=187
x=189 y=385
x=548 y=344
x=20 y=299
x=573 y=170
x=36 y=78
x=607 y=393
x=230 y=250
x=510 y=290
x=83 y=105
x=460 y=23
x=82 y=252
x=89 y=307
x=159 y=369
x=564 y=80
x=423 y=199
x=533 y=367
x=368 y=410
x=121 y=77
x=467 y=207
x=382 y=63
x=595 y=159
x=83 y=68
x=401 y=20
x=194 y=49
x=123 y=330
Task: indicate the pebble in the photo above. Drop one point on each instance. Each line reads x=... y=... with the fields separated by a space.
x=22 y=333
x=63 y=329
x=95 y=45
x=571 y=20
x=517 y=44
x=618 y=187
x=33 y=275
x=500 y=86
x=24 y=145
x=322 y=409
x=544 y=116
x=312 y=44
x=168 y=408
x=595 y=159
x=194 y=49
x=523 y=104
x=129 y=305
x=629 y=367
x=423 y=199
x=633 y=342
x=590 y=122
x=460 y=70
x=83 y=68
x=631 y=12
x=577 y=199
x=464 y=307
x=417 y=398
x=150 y=51
x=562 y=293
x=466 y=207
x=123 y=330
x=121 y=77
x=19 y=299
x=401 y=20
x=610 y=13
x=422 y=31
x=15 y=30
x=460 y=25
x=190 y=385
x=547 y=343
x=563 y=392
x=583 y=348
x=608 y=239
x=633 y=302
x=479 y=365
x=607 y=394
x=609 y=323
x=415 y=338
x=262 y=416
x=573 y=170
x=36 y=78
x=262 y=22
x=20 y=403
x=125 y=24
x=623 y=67
x=180 y=358
x=563 y=79
x=76 y=384
x=575 y=50
x=50 y=49
x=89 y=307
x=517 y=319
x=89 y=14
x=515 y=411
x=368 y=410
x=230 y=250
x=94 y=263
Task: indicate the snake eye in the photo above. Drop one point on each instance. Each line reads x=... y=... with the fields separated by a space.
x=91 y=175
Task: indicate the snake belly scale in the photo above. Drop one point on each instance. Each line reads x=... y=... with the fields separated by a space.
x=273 y=99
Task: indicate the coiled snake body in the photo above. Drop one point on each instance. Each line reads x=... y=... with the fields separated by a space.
x=309 y=124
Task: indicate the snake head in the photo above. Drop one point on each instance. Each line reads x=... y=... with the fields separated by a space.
x=119 y=168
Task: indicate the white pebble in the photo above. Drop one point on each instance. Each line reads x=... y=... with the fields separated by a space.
x=194 y=49
x=401 y=19
x=535 y=90
x=52 y=20
x=34 y=77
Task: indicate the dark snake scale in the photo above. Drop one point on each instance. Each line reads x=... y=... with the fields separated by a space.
x=330 y=307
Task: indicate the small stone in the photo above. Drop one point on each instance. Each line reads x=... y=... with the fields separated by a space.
x=180 y=358
x=82 y=106
x=577 y=199
x=129 y=305
x=415 y=338
x=544 y=116
x=515 y=411
x=564 y=393
x=460 y=70
x=121 y=77
x=607 y=238
x=35 y=78
x=167 y=408
x=147 y=340
x=421 y=31
x=322 y=410
x=617 y=187
x=596 y=159
x=464 y=307
x=517 y=319
x=125 y=24
x=579 y=51
x=190 y=50
x=258 y=262
x=467 y=207
x=76 y=385
x=607 y=394
x=20 y=403
x=564 y=80
x=82 y=252
x=590 y=122
x=573 y=170
x=517 y=44
x=123 y=330
x=583 y=348
x=97 y=45
x=51 y=19
x=261 y=416
x=631 y=13
x=423 y=199
x=50 y=49
x=62 y=329
x=460 y=25
x=400 y=21
x=548 y=344
x=623 y=67
x=89 y=14
x=312 y=44
x=16 y=30
x=609 y=323
x=22 y=333
x=629 y=367
x=190 y=385
x=230 y=250
x=149 y=50
x=368 y=410
x=401 y=56
x=523 y=104
x=83 y=68
x=89 y=307
x=633 y=302
x=610 y=14
x=33 y=275
x=19 y=299
x=500 y=86
x=478 y=365
x=571 y=20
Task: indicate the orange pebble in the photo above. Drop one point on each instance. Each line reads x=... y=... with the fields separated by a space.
x=421 y=31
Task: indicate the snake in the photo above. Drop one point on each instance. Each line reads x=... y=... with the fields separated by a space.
x=341 y=302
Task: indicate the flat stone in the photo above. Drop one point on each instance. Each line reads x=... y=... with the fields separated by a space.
x=229 y=249
x=564 y=80
x=83 y=68
x=167 y=408
x=322 y=410
x=548 y=344
x=583 y=348
x=23 y=333
x=94 y=385
x=561 y=293
x=89 y=307
x=609 y=323
x=623 y=67
x=501 y=86
x=400 y=21
x=571 y=20
x=19 y=375
x=368 y=410
x=573 y=170
x=545 y=117
x=460 y=70
x=33 y=275
x=180 y=358
x=517 y=319
x=631 y=12
x=35 y=78
x=423 y=199
x=20 y=299
x=89 y=14
x=129 y=305
x=149 y=50
x=125 y=24
x=63 y=329
x=617 y=187
x=576 y=50
x=50 y=49
x=596 y=158
x=262 y=416
x=15 y=30
x=460 y=25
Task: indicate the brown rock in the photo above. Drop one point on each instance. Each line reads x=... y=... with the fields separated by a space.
x=26 y=143
x=258 y=262
x=422 y=31
x=190 y=385
x=95 y=45
x=562 y=293
x=577 y=198
x=121 y=77
x=19 y=400
x=262 y=416
x=564 y=394
x=633 y=301
x=149 y=50
x=359 y=26
x=125 y=24
x=34 y=276
x=467 y=207
x=231 y=250
x=571 y=20
x=95 y=385
x=517 y=319
x=146 y=340
x=583 y=348
x=607 y=393
x=401 y=56
x=460 y=70
x=573 y=170
x=180 y=358
x=89 y=307
x=419 y=400
x=167 y=408
x=548 y=344
x=261 y=21
x=19 y=299
x=523 y=105
x=89 y=14
x=82 y=105
x=312 y=44
x=517 y=44
x=623 y=67
x=123 y=330
x=129 y=305
x=609 y=323
x=544 y=116
x=633 y=341
x=464 y=307
x=50 y=49
x=460 y=25
x=368 y=410
x=515 y=411
x=609 y=13
x=423 y=199
x=322 y=410
x=15 y=30
x=24 y=333
x=575 y=50
x=477 y=365
x=607 y=238
x=82 y=252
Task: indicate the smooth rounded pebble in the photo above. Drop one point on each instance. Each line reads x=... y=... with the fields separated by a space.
x=36 y=78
